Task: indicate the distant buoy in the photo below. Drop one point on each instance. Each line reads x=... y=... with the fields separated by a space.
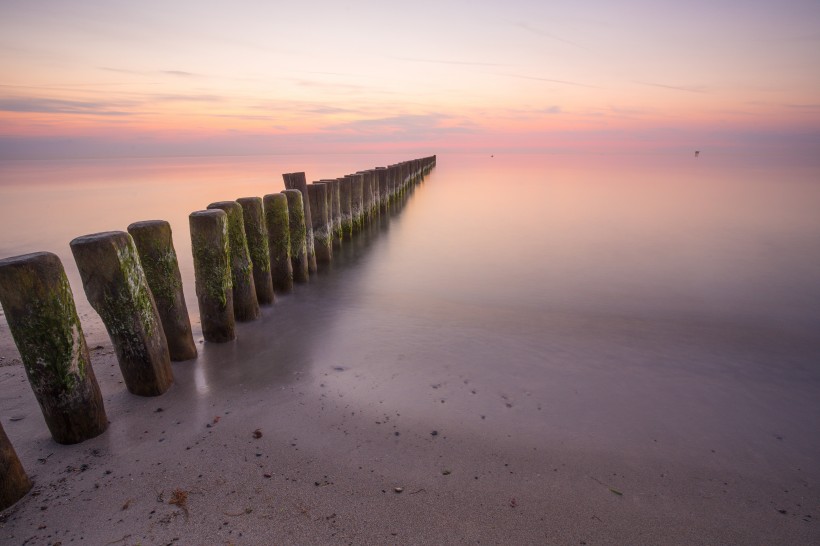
x=697 y=153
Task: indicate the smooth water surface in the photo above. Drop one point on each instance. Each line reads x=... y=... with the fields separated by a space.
x=602 y=300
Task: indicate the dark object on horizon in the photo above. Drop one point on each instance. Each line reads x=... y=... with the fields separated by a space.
x=697 y=153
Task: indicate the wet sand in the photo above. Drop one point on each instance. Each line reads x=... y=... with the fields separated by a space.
x=635 y=433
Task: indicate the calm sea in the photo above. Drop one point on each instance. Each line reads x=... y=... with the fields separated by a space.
x=616 y=294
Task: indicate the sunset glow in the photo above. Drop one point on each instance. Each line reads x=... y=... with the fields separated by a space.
x=157 y=78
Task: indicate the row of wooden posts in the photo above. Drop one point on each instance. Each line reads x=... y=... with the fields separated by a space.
x=244 y=251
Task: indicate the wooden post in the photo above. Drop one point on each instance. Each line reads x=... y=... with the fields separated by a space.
x=367 y=196
x=115 y=285
x=214 y=287
x=297 y=181
x=277 y=221
x=41 y=315
x=14 y=482
x=256 y=234
x=335 y=208
x=357 y=202
x=384 y=198
x=245 y=304
x=345 y=188
x=322 y=238
x=298 y=235
x=155 y=246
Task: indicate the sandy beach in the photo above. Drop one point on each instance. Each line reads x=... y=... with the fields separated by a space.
x=299 y=433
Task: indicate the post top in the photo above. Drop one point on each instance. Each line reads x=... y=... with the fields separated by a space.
x=96 y=238
x=147 y=224
x=210 y=213
x=29 y=258
x=224 y=205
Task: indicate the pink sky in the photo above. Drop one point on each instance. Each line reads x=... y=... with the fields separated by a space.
x=102 y=78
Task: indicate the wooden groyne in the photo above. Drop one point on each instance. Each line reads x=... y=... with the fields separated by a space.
x=243 y=252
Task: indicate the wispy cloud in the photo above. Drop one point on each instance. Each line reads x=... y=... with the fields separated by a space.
x=687 y=88
x=175 y=73
x=551 y=80
x=803 y=106
x=539 y=32
x=60 y=106
x=448 y=61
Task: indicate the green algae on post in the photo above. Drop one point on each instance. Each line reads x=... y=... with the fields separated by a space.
x=14 y=482
x=245 y=304
x=214 y=287
x=155 y=246
x=357 y=202
x=346 y=220
x=42 y=317
x=256 y=235
x=297 y=181
x=322 y=237
x=116 y=287
x=298 y=235
x=334 y=201
x=277 y=220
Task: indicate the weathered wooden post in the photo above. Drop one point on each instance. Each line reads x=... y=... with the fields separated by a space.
x=357 y=202
x=14 y=482
x=298 y=235
x=367 y=196
x=116 y=288
x=392 y=179
x=277 y=220
x=245 y=304
x=335 y=209
x=374 y=174
x=42 y=318
x=214 y=286
x=384 y=198
x=155 y=246
x=345 y=188
x=256 y=235
x=297 y=181
x=322 y=237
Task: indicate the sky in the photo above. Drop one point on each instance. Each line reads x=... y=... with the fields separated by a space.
x=140 y=78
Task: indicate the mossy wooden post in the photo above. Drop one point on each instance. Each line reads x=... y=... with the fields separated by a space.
x=392 y=181
x=367 y=196
x=277 y=220
x=115 y=285
x=334 y=198
x=345 y=188
x=42 y=318
x=155 y=246
x=298 y=235
x=384 y=200
x=357 y=201
x=256 y=235
x=214 y=286
x=14 y=482
x=374 y=175
x=245 y=304
x=322 y=237
x=297 y=181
